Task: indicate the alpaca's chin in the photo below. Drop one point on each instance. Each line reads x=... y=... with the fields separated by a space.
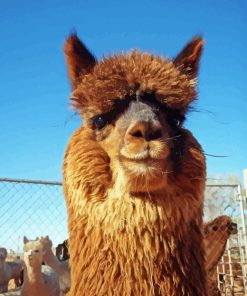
x=146 y=175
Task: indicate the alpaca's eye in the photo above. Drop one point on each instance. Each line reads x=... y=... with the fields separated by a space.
x=36 y=251
x=176 y=122
x=175 y=119
x=99 y=122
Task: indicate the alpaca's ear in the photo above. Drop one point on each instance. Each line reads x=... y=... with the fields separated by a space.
x=25 y=240
x=79 y=59
x=188 y=59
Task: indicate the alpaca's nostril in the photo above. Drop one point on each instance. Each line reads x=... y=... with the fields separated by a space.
x=137 y=134
x=136 y=131
x=153 y=135
x=143 y=131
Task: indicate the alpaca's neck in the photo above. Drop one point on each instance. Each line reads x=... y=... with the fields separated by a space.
x=34 y=284
x=52 y=261
x=32 y=275
x=215 y=251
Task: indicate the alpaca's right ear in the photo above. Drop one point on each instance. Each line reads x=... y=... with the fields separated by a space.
x=188 y=59
x=79 y=59
x=25 y=240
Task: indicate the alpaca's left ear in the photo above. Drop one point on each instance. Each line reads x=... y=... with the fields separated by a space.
x=79 y=59
x=188 y=59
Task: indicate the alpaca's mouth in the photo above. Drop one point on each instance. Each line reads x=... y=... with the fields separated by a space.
x=140 y=160
x=145 y=166
x=146 y=155
x=142 y=155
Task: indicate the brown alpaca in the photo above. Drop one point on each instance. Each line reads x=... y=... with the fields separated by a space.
x=134 y=176
x=216 y=234
x=9 y=270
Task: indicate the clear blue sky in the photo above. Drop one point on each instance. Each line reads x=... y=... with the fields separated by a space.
x=35 y=120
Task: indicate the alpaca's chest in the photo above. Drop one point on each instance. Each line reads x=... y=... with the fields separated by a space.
x=135 y=248
x=131 y=229
x=142 y=259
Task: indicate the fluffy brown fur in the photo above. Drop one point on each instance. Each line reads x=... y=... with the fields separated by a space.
x=135 y=229
x=216 y=234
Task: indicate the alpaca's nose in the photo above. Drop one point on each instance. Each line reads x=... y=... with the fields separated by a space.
x=143 y=131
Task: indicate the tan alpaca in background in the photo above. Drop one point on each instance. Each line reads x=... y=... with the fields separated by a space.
x=35 y=282
x=9 y=270
x=134 y=176
x=61 y=268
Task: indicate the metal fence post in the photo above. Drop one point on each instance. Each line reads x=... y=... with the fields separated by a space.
x=241 y=200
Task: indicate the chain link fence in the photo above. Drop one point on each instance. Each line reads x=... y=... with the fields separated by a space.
x=37 y=208
x=229 y=199
x=31 y=208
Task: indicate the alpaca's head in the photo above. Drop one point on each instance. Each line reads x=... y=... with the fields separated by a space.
x=220 y=226
x=33 y=252
x=133 y=108
x=46 y=246
x=62 y=252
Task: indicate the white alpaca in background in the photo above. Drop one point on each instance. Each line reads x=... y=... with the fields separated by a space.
x=37 y=283
x=8 y=271
x=61 y=268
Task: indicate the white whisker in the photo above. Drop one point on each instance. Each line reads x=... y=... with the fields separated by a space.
x=165 y=140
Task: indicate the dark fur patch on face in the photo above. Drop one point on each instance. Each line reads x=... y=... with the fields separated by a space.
x=175 y=117
x=178 y=149
x=119 y=106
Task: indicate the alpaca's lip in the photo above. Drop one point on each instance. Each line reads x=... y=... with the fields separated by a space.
x=137 y=159
x=141 y=160
x=141 y=156
x=147 y=155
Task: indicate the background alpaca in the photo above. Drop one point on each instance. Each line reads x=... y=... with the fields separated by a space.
x=62 y=252
x=35 y=282
x=8 y=271
x=134 y=176
x=61 y=268
x=216 y=234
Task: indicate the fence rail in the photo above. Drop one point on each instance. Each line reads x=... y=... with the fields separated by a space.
x=30 y=181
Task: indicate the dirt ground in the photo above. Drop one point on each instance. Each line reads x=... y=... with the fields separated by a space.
x=15 y=292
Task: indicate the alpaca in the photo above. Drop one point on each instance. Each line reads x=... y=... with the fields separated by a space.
x=216 y=234
x=62 y=252
x=37 y=282
x=61 y=268
x=9 y=270
x=133 y=176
